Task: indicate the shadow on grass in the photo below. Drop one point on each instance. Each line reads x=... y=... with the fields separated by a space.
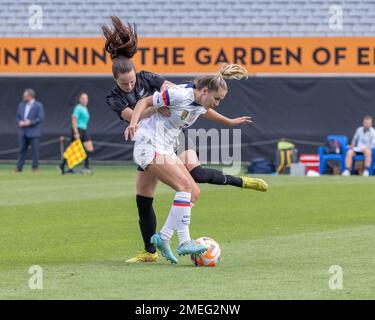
x=158 y=264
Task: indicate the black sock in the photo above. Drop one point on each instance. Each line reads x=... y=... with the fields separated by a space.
x=62 y=165
x=147 y=221
x=87 y=160
x=212 y=176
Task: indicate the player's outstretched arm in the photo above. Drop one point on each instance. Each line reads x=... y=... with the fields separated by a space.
x=219 y=118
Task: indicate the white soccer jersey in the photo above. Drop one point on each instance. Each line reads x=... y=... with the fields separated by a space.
x=164 y=131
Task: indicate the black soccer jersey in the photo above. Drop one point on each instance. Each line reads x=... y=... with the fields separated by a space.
x=146 y=84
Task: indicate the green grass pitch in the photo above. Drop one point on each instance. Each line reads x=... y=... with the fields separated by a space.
x=275 y=245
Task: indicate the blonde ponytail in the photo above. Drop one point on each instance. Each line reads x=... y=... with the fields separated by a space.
x=217 y=80
x=233 y=71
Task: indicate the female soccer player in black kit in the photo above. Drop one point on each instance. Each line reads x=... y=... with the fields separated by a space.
x=131 y=86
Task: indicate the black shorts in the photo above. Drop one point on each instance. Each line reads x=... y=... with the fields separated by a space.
x=82 y=134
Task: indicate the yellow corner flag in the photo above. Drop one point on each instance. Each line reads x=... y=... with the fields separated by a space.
x=75 y=154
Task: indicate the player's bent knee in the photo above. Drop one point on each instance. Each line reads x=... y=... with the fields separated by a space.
x=191 y=167
x=195 y=194
x=191 y=159
x=183 y=184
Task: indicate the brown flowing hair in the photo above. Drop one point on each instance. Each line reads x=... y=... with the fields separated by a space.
x=122 y=44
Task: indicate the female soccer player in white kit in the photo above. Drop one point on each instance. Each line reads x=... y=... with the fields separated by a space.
x=153 y=150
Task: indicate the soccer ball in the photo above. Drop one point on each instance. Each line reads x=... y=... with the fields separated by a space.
x=209 y=258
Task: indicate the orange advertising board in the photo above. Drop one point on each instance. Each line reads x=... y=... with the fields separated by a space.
x=276 y=55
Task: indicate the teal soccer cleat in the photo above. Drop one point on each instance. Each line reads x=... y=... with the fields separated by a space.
x=191 y=247
x=163 y=247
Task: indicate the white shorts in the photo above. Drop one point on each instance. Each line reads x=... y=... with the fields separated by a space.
x=145 y=152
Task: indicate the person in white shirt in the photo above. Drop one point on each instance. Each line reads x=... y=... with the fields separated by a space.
x=363 y=142
x=155 y=137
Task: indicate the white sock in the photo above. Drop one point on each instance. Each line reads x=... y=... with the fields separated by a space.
x=166 y=233
x=183 y=231
x=178 y=218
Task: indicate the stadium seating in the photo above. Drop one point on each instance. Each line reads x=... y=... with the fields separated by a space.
x=324 y=157
x=64 y=18
x=343 y=140
x=362 y=158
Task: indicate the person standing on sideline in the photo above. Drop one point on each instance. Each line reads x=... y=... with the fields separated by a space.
x=80 y=121
x=30 y=115
x=362 y=144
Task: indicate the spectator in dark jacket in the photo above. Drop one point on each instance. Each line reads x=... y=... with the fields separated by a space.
x=30 y=115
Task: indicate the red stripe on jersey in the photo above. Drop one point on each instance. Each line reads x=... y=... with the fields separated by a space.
x=165 y=100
